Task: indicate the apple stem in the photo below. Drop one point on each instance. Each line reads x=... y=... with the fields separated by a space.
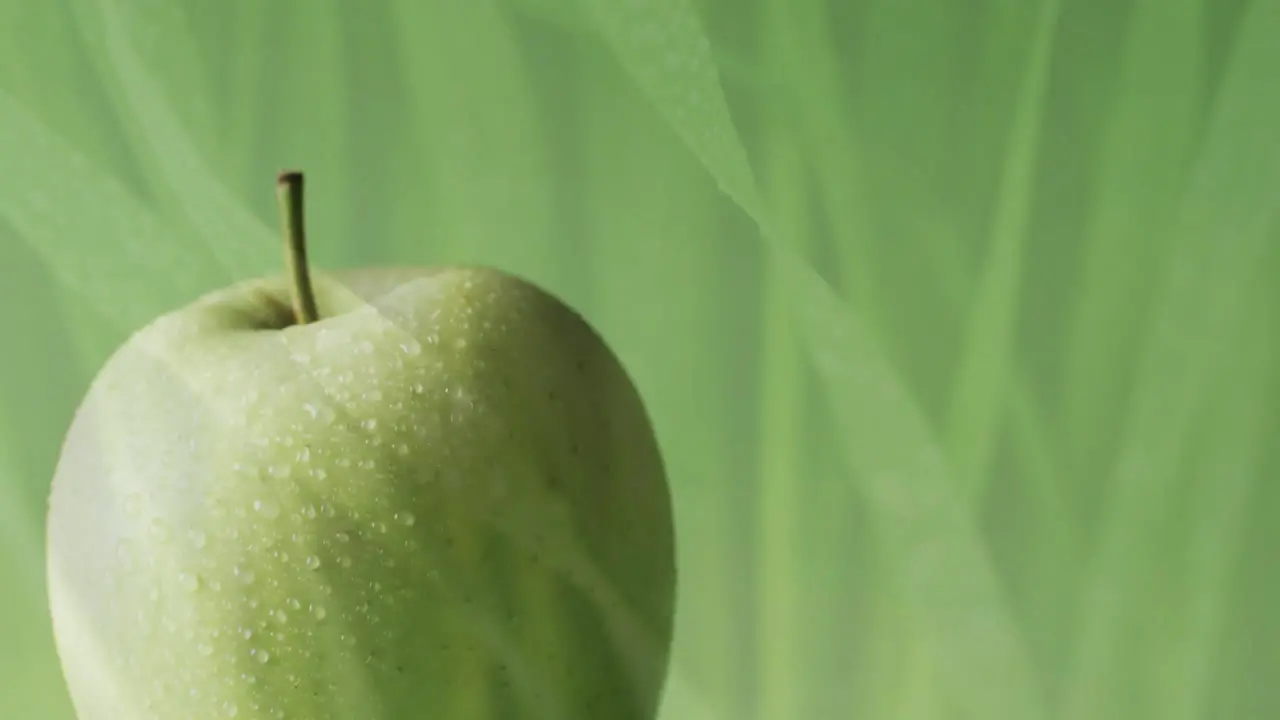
x=289 y=192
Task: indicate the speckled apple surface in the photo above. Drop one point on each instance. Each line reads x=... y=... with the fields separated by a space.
x=442 y=501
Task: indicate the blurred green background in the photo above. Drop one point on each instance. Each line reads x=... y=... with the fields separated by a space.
x=958 y=319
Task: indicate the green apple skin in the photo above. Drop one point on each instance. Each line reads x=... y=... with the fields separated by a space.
x=444 y=500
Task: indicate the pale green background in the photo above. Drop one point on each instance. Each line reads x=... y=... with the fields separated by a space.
x=957 y=318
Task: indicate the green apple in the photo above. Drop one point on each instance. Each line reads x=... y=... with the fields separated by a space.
x=381 y=494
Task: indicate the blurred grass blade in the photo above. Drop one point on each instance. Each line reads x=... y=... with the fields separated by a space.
x=29 y=660
x=1225 y=485
x=980 y=387
x=781 y=499
x=46 y=70
x=931 y=536
x=785 y=599
x=19 y=533
x=295 y=111
x=484 y=174
x=246 y=72
x=1141 y=163
x=661 y=44
x=680 y=701
x=1225 y=222
x=181 y=176
x=89 y=229
x=657 y=220
x=1051 y=555
x=807 y=65
x=161 y=37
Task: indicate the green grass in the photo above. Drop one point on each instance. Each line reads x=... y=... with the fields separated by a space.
x=957 y=319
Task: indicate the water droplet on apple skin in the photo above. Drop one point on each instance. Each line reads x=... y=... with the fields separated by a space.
x=267 y=508
x=125 y=553
x=300 y=554
x=133 y=504
x=160 y=530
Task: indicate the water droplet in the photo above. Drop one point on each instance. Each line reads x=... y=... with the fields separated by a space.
x=262 y=656
x=188 y=582
x=244 y=575
x=281 y=470
x=313 y=562
x=293 y=604
x=304 y=455
x=282 y=617
x=204 y=649
x=124 y=551
x=342 y=537
x=344 y=561
x=267 y=508
x=319 y=612
x=133 y=504
x=411 y=348
x=406 y=518
x=197 y=537
x=366 y=347
x=402 y=449
x=369 y=424
x=319 y=473
x=160 y=530
x=373 y=396
x=325 y=414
